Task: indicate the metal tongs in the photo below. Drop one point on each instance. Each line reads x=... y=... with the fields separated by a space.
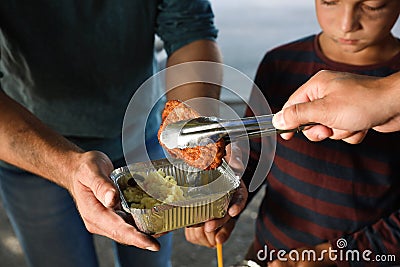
x=204 y=130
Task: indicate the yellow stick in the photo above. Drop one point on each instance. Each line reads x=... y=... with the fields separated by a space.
x=219 y=255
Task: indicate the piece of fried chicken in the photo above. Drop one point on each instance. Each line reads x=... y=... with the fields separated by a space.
x=206 y=157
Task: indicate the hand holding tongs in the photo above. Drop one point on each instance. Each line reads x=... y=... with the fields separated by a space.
x=203 y=130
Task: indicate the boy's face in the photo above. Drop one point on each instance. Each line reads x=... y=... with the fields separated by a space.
x=355 y=25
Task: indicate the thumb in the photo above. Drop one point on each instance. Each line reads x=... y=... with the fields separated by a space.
x=110 y=198
x=105 y=192
x=295 y=115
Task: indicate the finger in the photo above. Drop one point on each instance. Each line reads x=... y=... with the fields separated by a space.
x=287 y=136
x=197 y=236
x=211 y=239
x=234 y=157
x=390 y=126
x=224 y=233
x=105 y=192
x=108 y=223
x=94 y=173
x=341 y=134
x=239 y=200
x=356 y=138
x=235 y=162
x=318 y=133
x=101 y=186
x=349 y=137
x=295 y=115
x=213 y=225
x=189 y=235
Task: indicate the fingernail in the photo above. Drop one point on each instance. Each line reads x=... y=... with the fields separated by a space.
x=233 y=212
x=108 y=198
x=152 y=248
x=278 y=121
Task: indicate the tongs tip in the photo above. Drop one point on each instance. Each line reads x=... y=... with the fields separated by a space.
x=191 y=133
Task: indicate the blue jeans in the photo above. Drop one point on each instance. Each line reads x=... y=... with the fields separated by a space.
x=52 y=233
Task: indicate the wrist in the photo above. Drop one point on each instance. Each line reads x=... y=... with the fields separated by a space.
x=72 y=161
x=392 y=93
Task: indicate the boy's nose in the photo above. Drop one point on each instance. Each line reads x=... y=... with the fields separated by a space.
x=350 y=20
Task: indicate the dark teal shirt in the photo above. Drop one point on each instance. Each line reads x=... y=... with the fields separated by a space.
x=76 y=64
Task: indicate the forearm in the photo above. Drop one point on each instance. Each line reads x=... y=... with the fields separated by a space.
x=27 y=143
x=30 y=145
x=202 y=50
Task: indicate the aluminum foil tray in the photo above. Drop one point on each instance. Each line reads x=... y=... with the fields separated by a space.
x=207 y=195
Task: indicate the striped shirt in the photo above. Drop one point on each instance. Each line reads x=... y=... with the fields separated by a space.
x=326 y=191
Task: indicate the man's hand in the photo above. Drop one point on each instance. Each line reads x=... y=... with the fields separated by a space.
x=346 y=105
x=31 y=145
x=96 y=196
